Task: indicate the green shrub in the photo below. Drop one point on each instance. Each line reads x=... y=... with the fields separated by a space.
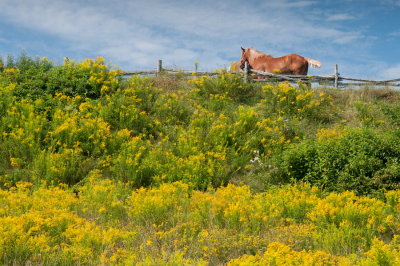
x=66 y=167
x=299 y=102
x=90 y=78
x=127 y=166
x=227 y=85
x=362 y=160
x=29 y=75
x=34 y=78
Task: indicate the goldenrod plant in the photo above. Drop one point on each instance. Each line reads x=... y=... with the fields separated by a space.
x=193 y=170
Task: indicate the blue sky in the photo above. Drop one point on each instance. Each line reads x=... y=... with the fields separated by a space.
x=362 y=37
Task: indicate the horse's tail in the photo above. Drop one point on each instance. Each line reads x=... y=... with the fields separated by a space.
x=313 y=62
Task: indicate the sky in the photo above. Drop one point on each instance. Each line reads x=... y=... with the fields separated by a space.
x=362 y=37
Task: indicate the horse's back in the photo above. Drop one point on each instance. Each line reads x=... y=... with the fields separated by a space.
x=297 y=57
x=291 y=64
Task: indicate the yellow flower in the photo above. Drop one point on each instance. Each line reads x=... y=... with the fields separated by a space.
x=277 y=71
x=15 y=162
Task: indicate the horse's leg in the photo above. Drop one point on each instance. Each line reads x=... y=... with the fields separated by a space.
x=305 y=68
x=302 y=70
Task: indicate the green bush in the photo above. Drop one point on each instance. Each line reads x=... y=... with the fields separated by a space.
x=35 y=78
x=362 y=160
x=227 y=85
x=298 y=102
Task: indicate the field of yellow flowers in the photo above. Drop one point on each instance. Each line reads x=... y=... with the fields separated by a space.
x=173 y=224
x=96 y=169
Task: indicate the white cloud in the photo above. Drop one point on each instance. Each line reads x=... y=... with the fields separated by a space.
x=340 y=17
x=134 y=34
x=288 y=4
x=394 y=34
x=392 y=2
x=2 y=40
x=391 y=72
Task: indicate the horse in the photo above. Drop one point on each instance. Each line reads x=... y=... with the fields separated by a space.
x=292 y=64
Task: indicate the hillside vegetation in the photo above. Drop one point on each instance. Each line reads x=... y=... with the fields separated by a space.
x=165 y=170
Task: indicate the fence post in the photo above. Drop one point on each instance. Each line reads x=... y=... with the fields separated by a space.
x=246 y=72
x=336 y=75
x=159 y=67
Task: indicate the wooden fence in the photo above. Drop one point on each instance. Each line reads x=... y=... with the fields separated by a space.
x=335 y=80
x=160 y=69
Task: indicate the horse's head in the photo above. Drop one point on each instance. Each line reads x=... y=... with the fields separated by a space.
x=244 y=57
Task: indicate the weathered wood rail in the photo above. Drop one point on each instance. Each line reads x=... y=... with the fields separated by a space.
x=335 y=80
x=160 y=69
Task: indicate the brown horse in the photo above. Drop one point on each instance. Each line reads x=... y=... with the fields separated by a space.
x=292 y=64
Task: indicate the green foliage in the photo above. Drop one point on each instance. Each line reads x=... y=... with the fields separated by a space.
x=392 y=112
x=35 y=78
x=226 y=85
x=90 y=78
x=10 y=61
x=58 y=123
x=362 y=160
x=148 y=166
x=297 y=102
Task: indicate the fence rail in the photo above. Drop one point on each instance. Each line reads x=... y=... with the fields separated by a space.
x=259 y=76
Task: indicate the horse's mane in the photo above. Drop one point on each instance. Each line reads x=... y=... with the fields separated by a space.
x=254 y=54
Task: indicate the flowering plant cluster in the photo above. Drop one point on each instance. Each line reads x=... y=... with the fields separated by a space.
x=96 y=169
x=110 y=223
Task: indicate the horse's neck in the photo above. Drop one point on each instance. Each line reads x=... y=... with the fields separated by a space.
x=266 y=56
x=254 y=54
